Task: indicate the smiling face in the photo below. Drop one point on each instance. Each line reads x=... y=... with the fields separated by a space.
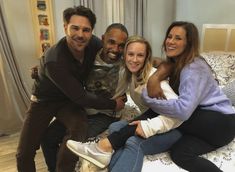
x=113 y=44
x=78 y=33
x=135 y=56
x=175 y=42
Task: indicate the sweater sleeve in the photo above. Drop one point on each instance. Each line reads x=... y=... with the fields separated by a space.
x=161 y=123
x=192 y=89
x=75 y=90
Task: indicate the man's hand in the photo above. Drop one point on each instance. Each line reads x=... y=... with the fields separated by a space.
x=34 y=72
x=139 y=130
x=120 y=102
x=124 y=97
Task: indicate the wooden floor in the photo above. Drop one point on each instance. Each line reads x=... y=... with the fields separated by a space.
x=8 y=145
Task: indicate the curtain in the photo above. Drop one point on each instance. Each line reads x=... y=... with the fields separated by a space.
x=131 y=13
x=135 y=16
x=107 y=12
x=14 y=97
x=114 y=11
x=86 y=3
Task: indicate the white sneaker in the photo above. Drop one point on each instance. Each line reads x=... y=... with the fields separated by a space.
x=90 y=152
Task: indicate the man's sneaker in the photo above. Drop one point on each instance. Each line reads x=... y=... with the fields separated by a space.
x=90 y=152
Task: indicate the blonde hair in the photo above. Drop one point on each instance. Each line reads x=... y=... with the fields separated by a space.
x=143 y=74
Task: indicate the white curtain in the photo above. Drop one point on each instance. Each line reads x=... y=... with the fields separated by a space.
x=131 y=13
x=14 y=97
x=115 y=11
x=86 y=3
x=135 y=15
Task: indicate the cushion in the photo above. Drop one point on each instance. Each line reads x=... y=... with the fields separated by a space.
x=229 y=90
x=223 y=64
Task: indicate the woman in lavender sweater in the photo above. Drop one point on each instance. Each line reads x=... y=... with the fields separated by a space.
x=209 y=119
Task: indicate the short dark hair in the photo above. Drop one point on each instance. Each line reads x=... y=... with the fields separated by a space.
x=117 y=26
x=80 y=11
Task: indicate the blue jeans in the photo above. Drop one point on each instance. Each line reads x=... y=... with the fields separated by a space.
x=130 y=157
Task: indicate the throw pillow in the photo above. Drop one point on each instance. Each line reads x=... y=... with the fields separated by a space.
x=229 y=90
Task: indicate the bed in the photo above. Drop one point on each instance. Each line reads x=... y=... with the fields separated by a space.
x=218 y=49
x=221 y=58
x=223 y=63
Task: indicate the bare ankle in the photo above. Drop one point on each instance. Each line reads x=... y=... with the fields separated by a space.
x=105 y=145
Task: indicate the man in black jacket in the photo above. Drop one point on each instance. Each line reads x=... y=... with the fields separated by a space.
x=102 y=81
x=59 y=91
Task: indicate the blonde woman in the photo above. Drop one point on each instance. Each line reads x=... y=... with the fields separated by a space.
x=124 y=142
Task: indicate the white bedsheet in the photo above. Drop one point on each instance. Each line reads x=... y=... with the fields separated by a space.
x=224 y=158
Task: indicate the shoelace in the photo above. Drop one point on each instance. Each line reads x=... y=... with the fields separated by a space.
x=93 y=140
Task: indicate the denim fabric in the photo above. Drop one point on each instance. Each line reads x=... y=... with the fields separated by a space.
x=119 y=138
x=130 y=157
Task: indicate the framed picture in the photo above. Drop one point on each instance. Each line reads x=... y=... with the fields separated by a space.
x=42 y=11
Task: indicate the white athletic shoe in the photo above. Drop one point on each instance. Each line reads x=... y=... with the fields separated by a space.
x=90 y=152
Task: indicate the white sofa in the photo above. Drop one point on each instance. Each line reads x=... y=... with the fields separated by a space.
x=223 y=65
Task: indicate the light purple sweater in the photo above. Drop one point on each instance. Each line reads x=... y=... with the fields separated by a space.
x=197 y=88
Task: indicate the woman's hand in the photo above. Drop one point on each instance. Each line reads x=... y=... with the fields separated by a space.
x=139 y=130
x=120 y=102
x=34 y=72
x=154 y=88
x=153 y=85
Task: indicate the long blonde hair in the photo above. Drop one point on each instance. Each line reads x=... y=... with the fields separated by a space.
x=143 y=74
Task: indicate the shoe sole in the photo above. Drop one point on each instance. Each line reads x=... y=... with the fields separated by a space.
x=92 y=160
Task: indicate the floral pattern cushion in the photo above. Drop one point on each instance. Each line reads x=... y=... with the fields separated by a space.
x=223 y=64
x=223 y=157
x=229 y=90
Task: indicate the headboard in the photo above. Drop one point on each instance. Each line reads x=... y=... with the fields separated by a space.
x=218 y=37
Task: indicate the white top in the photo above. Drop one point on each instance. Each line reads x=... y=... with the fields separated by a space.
x=161 y=123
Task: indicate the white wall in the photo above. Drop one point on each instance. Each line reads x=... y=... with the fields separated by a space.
x=206 y=12
x=58 y=7
x=159 y=15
